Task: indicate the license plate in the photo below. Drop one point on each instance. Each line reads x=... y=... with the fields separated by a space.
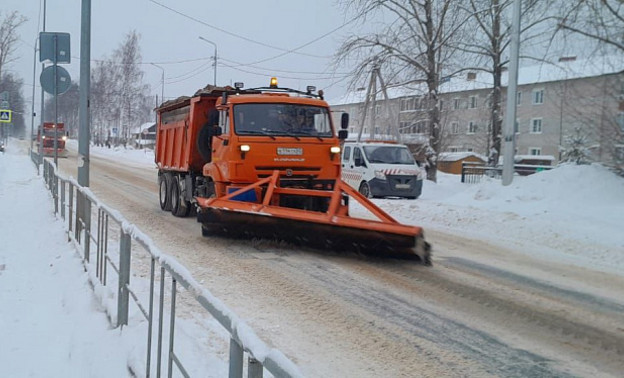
x=402 y=186
x=289 y=151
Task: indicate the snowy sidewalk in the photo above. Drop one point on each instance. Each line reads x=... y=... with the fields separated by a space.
x=50 y=323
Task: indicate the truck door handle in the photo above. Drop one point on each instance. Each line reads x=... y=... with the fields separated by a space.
x=351 y=166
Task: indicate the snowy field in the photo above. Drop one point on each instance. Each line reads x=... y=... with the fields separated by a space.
x=572 y=213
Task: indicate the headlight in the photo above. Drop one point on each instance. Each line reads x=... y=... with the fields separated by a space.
x=380 y=175
x=244 y=147
x=64 y=137
x=334 y=150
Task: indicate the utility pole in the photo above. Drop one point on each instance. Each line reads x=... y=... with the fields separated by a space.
x=512 y=89
x=215 y=57
x=162 y=83
x=41 y=116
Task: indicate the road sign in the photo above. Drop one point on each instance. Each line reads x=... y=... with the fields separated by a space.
x=5 y=116
x=63 y=80
x=49 y=42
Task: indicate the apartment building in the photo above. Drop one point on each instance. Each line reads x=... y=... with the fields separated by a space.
x=555 y=102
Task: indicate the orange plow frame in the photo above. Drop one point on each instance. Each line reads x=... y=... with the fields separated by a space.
x=385 y=235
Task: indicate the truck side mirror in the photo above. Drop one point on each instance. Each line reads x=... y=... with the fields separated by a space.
x=359 y=162
x=343 y=134
x=344 y=121
x=217 y=131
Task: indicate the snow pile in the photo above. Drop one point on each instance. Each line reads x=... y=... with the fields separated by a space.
x=573 y=212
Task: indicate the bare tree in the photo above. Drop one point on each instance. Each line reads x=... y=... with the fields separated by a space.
x=120 y=99
x=413 y=49
x=602 y=21
x=67 y=107
x=9 y=83
x=8 y=37
x=491 y=42
x=598 y=20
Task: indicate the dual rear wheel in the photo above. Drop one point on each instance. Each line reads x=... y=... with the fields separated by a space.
x=171 y=195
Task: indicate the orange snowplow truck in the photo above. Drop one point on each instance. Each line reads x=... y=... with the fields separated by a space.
x=50 y=133
x=265 y=162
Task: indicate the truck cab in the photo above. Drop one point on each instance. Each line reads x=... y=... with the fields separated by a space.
x=381 y=169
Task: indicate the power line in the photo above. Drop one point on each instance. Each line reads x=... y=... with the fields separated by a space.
x=233 y=34
x=239 y=64
x=286 y=77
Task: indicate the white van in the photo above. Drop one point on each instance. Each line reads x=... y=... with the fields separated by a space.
x=381 y=169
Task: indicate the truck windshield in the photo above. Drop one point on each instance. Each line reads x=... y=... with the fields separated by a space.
x=282 y=120
x=388 y=155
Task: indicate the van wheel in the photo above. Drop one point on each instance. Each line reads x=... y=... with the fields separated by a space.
x=365 y=190
x=163 y=192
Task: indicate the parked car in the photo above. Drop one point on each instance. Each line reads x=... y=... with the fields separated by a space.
x=382 y=169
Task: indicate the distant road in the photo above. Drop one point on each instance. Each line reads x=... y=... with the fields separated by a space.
x=479 y=311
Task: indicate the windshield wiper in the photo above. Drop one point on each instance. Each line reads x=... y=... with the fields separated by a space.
x=308 y=133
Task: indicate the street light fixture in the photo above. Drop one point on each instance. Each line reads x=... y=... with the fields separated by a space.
x=162 y=82
x=215 y=58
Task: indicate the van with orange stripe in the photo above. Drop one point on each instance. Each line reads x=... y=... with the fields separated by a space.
x=382 y=169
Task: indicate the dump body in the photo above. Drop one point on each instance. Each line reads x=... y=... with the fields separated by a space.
x=178 y=126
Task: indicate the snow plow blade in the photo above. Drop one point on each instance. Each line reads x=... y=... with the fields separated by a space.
x=332 y=229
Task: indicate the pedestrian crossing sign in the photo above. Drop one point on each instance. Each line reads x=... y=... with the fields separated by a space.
x=5 y=116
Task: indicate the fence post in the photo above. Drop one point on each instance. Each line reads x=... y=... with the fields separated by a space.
x=254 y=368
x=463 y=177
x=63 y=200
x=124 y=279
x=236 y=360
x=55 y=190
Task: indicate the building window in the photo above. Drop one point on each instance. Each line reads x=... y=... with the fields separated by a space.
x=455 y=103
x=472 y=127
x=536 y=126
x=517 y=127
x=473 y=102
x=453 y=149
x=620 y=121
x=454 y=128
x=421 y=127
x=469 y=149
x=538 y=96
x=377 y=109
x=535 y=151
x=519 y=98
x=441 y=105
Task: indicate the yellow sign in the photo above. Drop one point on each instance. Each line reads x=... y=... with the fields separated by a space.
x=5 y=116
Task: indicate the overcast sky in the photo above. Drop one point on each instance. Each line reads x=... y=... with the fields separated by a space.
x=245 y=32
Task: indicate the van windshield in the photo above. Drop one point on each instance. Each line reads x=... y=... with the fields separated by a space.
x=282 y=120
x=388 y=155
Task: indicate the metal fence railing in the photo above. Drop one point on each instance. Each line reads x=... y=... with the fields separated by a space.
x=472 y=172
x=121 y=252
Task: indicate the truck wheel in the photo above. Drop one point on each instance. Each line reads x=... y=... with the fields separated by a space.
x=179 y=206
x=365 y=190
x=163 y=192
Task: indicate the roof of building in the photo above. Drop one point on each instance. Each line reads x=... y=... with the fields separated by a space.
x=143 y=127
x=567 y=69
x=456 y=156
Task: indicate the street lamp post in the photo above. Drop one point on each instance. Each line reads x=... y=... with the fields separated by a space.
x=215 y=58
x=162 y=82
